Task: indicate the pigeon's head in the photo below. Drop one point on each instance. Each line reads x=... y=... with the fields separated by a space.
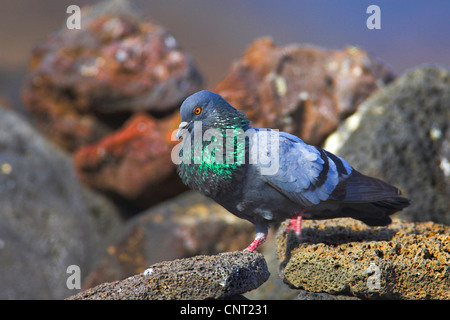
x=213 y=112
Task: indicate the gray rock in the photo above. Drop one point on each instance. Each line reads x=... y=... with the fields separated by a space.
x=199 y=277
x=187 y=225
x=48 y=221
x=402 y=135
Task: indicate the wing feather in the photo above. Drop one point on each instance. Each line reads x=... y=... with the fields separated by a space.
x=306 y=174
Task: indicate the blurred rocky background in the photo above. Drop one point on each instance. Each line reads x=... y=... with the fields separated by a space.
x=86 y=118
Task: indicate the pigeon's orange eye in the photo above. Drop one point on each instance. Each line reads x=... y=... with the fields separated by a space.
x=197 y=110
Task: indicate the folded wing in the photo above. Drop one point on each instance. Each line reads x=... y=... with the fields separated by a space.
x=311 y=176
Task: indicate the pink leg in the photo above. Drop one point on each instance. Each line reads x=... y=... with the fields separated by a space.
x=259 y=240
x=296 y=223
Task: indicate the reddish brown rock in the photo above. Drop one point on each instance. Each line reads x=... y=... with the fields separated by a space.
x=303 y=90
x=116 y=63
x=133 y=162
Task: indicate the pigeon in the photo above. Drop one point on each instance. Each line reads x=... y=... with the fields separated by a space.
x=217 y=157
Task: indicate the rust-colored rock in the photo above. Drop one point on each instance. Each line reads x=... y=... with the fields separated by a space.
x=117 y=63
x=306 y=91
x=133 y=162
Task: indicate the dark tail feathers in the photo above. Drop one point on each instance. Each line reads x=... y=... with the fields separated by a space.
x=369 y=199
x=375 y=213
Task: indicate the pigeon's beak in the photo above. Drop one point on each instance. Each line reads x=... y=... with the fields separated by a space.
x=182 y=126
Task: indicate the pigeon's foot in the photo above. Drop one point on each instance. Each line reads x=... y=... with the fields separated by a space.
x=259 y=240
x=296 y=223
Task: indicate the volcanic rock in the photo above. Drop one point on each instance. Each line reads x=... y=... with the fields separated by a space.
x=84 y=83
x=303 y=90
x=197 y=278
x=48 y=221
x=187 y=225
x=402 y=135
x=346 y=257
x=134 y=162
